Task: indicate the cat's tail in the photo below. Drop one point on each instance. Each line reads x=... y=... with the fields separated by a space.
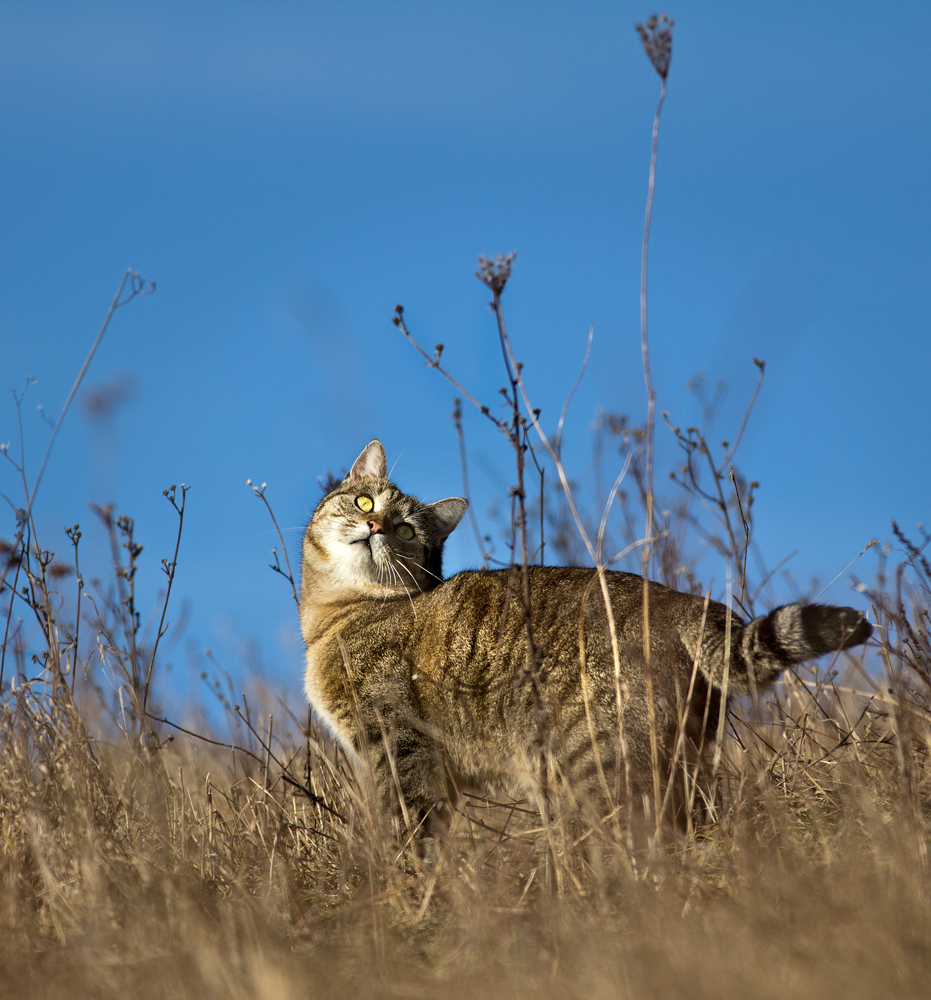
x=763 y=648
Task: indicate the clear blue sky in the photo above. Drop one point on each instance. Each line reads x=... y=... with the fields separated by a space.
x=287 y=172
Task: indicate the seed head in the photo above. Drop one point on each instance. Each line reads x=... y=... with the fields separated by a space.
x=494 y=273
x=656 y=38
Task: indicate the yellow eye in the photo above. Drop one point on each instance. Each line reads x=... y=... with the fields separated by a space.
x=364 y=503
x=406 y=532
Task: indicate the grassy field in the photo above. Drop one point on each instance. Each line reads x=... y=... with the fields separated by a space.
x=138 y=860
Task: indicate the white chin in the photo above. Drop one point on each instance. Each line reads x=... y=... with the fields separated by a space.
x=371 y=558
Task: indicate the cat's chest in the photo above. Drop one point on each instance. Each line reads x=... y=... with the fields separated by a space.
x=329 y=702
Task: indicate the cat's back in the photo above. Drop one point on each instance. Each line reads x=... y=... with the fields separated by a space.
x=560 y=596
x=481 y=616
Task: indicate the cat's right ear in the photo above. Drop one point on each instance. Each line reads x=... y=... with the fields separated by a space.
x=371 y=464
x=447 y=514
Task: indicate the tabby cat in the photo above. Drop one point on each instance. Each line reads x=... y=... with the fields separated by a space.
x=430 y=680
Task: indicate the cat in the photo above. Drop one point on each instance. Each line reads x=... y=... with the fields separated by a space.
x=431 y=682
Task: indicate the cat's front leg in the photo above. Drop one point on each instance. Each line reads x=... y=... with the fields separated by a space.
x=408 y=768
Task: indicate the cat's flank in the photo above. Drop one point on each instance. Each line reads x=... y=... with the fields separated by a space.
x=431 y=682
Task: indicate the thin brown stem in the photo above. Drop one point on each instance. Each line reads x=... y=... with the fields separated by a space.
x=137 y=288
x=259 y=491
x=169 y=569
x=647 y=551
x=434 y=362
x=473 y=521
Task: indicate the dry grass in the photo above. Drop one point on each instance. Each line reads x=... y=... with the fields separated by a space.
x=136 y=865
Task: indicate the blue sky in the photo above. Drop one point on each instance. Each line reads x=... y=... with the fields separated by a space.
x=287 y=172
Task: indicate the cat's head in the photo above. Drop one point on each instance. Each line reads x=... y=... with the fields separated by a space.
x=366 y=535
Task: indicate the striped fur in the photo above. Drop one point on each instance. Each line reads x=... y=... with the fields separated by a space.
x=432 y=682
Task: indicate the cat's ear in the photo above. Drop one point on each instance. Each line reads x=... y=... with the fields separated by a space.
x=447 y=514
x=371 y=464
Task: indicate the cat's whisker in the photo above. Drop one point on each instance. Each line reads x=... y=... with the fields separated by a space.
x=399 y=581
x=411 y=575
x=396 y=577
x=419 y=565
x=387 y=576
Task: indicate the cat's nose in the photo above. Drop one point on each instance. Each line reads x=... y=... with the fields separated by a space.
x=375 y=528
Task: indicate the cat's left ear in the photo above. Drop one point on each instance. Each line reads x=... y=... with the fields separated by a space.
x=447 y=514
x=371 y=464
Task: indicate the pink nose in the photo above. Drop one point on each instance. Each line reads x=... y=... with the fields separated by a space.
x=375 y=528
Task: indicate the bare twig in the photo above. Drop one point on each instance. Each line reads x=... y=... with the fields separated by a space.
x=259 y=491
x=169 y=569
x=656 y=36
x=434 y=362
x=470 y=510
x=316 y=799
x=557 y=441
x=137 y=288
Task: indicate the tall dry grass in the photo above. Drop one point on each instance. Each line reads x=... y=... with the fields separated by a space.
x=184 y=868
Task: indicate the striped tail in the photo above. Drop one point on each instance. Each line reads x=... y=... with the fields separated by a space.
x=763 y=648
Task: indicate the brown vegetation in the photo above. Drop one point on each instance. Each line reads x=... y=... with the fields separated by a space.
x=185 y=869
